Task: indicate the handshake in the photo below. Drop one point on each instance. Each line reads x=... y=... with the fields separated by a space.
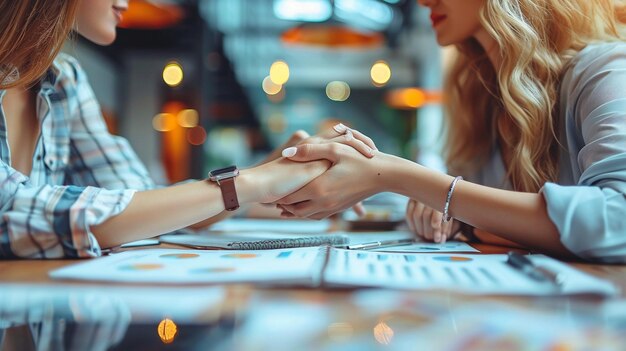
x=315 y=176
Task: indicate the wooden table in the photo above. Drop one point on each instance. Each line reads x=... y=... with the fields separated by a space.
x=245 y=317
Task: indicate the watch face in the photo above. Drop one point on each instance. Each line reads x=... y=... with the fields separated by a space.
x=224 y=173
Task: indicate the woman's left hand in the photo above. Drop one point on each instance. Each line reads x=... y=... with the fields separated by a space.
x=427 y=223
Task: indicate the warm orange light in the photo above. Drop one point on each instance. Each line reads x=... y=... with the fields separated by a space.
x=142 y=14
x=412 y=98
x=167 y=331
x=331 y=35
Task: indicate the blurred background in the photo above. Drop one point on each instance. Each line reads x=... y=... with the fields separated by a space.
x=201 y=84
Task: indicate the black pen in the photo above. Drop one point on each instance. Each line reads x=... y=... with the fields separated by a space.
x=380 y=243
x=538 y=273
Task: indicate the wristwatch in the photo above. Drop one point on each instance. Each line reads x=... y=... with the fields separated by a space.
x=225 y=179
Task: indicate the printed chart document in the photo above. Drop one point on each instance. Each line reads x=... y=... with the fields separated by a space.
x=315 y=266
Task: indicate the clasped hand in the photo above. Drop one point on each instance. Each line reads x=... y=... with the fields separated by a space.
x=337 y=188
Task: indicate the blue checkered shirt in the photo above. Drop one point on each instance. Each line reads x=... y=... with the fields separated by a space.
x=81 y=174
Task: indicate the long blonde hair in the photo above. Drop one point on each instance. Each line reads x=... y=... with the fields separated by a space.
x=32 y=33
x=515 y=106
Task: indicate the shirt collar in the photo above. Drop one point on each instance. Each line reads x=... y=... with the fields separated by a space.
x=51 y=77
x=48 y=81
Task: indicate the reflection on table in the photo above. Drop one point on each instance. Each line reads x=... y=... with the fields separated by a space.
x=238 y=317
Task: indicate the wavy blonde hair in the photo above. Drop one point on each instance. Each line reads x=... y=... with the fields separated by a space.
x=515 y=106
x=32 y=33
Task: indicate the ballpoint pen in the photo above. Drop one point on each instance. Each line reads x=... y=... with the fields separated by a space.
x=380 y=243
x=538 y=273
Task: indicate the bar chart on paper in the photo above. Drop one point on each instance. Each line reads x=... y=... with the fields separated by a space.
x=459 y=272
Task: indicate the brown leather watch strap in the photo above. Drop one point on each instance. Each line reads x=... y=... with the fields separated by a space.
x=229 y=194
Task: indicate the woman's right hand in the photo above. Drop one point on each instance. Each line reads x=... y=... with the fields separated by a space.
x=427 y=223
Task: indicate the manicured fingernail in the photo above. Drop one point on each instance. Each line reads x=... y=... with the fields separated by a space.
x=349 y=135
x=340 y=128
x=290 y=151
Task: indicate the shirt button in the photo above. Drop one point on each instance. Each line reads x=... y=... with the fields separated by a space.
x=38 y=157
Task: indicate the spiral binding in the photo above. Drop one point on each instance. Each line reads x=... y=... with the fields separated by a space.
x=289 y=243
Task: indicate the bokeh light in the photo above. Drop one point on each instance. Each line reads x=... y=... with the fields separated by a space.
x=271 y=88
x=383 y=333
x=413 y=97
x=279 y=72
x=173 y=74
x=164 y=122
x=187 y=118
x=338 y=91
x=196 y=135
x=167 y=330
x=380 y=73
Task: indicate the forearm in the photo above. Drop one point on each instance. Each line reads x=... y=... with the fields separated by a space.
x=159 y=211
x=516 y=216
x=155 y=212
x=212 y=220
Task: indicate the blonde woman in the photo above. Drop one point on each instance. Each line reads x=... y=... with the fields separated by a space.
x=536 y=105
x=69 y=188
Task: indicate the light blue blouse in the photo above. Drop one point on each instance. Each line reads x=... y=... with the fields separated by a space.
x=588 y=204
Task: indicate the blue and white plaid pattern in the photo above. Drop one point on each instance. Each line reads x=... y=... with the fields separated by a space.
x=81 y=174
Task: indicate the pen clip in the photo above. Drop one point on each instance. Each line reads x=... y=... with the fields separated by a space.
x=380 y=243
x=538 y=273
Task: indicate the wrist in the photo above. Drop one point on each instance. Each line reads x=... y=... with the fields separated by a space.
x=391 y=172
x=246 y=190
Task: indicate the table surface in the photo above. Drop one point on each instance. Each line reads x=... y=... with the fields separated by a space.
x=246 y=317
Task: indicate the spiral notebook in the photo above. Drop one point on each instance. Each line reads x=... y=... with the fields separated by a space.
x=260 y=241
x=330 y=267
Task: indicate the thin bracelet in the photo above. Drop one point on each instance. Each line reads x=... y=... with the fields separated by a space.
x=446 y=217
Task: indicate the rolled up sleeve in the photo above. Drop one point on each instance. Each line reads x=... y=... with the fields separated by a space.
x=591 y=215
x=54 y=221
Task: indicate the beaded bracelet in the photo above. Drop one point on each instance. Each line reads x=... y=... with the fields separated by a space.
x=446 y=217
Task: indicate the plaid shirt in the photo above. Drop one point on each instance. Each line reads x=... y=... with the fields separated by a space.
x=81 y=174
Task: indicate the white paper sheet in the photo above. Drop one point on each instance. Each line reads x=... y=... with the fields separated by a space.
x=295 y=226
